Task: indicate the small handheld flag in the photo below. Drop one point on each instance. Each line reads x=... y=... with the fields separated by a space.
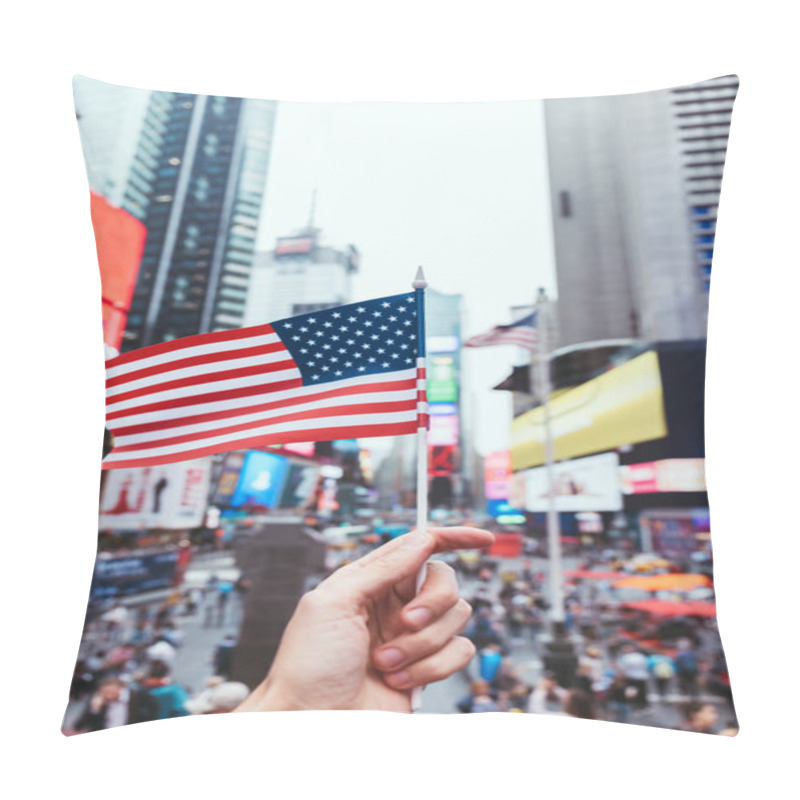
x=339 y=373
x=522 y=333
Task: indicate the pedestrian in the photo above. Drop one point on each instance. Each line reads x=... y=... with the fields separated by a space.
x=170 y=698
x=592 y=662
x=547 y=697
x=633 y=665
x=224 y=590
x=580 y=704
x=223 y=656
x=161 y=651
x=108 y=707
x=489 y=660
x=699 y=717
x=221 y=698
x=618 y=698
x=662 y=669
x=116 y=621
x=478 y=700
x=686 y=667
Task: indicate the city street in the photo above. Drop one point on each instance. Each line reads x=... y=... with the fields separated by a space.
x=200 y=634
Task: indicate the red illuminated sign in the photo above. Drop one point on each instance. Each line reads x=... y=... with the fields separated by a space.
x=119 y=238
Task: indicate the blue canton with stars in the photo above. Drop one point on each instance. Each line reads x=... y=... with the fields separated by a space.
x=357 y=339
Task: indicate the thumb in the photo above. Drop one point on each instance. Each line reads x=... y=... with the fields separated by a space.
x=382 y=568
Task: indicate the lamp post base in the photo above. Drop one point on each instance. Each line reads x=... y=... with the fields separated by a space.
x=560 y=658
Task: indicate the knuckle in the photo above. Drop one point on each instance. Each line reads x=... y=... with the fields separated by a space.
x=311 y=600
x=446 y=569
x=466 y=649
x=465 y=608
x=425 y=641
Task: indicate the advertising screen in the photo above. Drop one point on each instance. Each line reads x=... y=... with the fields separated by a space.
x=497 y=473
x=261 y=480
x=585 y=484
x=442 y=391
x=620 y=407
x=299 y=486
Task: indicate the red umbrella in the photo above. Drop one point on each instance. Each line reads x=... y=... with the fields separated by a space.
x=669 y=608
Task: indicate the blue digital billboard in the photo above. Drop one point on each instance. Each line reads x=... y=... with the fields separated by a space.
x=260 y=481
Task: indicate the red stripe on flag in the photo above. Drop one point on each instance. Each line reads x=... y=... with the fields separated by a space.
x=210 y=397
x=312 y=435
x=332 y=411
x=196 y=380
x=189 y=341
x=194 y=361
x=366 y=388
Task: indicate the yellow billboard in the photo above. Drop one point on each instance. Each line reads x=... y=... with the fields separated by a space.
x=622 y=406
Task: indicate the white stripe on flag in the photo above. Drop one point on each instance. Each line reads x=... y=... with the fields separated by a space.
x=189 y=352
x=298 y=425
x=232 y=405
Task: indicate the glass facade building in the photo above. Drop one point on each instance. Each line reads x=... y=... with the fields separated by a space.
x=209 y=170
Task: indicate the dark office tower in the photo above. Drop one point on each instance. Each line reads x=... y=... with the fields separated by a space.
x=207 y=158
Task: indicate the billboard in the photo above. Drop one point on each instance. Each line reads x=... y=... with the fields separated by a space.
x=299 y=486
x=294 y=245
x=620 y=407
x=443 y=430
x=129 y=574
x=228 y=477
x=164 y=496
x=442 y=391
x=442 y=344
x=669 y=475
x=442 y=460
x=119 y=238
x=261 y=480
x=585 y=484
x=497 y=472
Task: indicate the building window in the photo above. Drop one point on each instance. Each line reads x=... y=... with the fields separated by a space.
x=565 y=204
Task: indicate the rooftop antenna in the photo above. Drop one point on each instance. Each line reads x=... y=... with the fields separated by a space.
x=313 y=210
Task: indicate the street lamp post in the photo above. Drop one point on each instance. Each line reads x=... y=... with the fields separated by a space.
x=560 y=656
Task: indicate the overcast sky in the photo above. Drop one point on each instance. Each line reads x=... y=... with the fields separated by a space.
x=459 y=188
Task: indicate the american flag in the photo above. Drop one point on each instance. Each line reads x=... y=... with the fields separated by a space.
x=522 y=333
x=340 y=373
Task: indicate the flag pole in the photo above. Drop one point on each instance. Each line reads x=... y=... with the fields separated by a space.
x=419 y=286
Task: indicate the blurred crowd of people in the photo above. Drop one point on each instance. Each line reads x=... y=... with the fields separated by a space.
x=124 y=673
x=627 y=664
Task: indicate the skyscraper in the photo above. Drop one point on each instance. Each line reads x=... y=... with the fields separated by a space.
x=203 y=218
x=634 y=183
x=300 y=274
x=196 y=178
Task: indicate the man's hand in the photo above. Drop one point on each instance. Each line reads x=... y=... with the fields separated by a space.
x=363 y=638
